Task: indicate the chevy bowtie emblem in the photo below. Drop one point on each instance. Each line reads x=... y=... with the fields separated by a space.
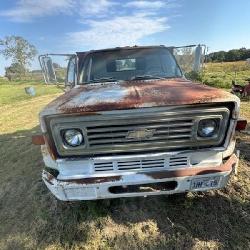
x=140 y=134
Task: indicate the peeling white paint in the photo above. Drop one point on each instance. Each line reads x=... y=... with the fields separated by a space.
x=108 y=94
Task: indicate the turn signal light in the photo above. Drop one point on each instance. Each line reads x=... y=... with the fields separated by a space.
x=241 y=124
x=38 y=140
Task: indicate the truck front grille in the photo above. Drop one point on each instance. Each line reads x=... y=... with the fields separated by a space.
x=162 y=130
x=136 y=131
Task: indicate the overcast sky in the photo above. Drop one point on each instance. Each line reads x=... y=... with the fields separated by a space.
x=76 y=25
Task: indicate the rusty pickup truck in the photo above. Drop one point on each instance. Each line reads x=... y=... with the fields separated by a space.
x=131 y=124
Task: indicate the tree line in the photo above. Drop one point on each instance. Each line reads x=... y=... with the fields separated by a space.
x=20 y=52
x=229 y=56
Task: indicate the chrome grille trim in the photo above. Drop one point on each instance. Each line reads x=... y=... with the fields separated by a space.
x=120 y=134
x=108 y=133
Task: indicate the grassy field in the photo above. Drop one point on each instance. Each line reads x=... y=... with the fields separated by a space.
x=31 y=218
x=222 y=74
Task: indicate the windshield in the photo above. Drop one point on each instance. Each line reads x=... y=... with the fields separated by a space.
x=130 y=64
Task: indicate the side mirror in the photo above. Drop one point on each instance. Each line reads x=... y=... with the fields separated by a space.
x=197 y=58
x=190 y=58
x=55 y=71
x=47 y=69
x=71 y=73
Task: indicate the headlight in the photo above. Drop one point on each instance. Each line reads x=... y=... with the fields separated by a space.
x=208 y=127
x=73 y=137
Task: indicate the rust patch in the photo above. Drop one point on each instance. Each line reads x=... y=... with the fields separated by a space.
x=38 y=140
x=44 y=151
x=50 y=147
x=92 y=98
x=195 y=171
x=49 y=177
x=94 y=180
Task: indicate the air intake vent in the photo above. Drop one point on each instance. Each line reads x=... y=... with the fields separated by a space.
x=142 y=164
x=175 y=162
x=103 y=166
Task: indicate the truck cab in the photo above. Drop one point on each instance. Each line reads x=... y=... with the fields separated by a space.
x=131 y=124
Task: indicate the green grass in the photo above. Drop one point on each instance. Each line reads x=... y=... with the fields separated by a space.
x=14 y=93
x=4 y=80
x=222 y=74
x=31 y=218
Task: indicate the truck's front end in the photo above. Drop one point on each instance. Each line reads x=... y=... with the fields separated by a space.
x=134 y=126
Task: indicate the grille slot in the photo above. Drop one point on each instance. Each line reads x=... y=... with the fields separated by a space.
x=140 y=164
x=103 y=166
x=178 y=162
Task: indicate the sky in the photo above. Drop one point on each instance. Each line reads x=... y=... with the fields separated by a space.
x=67 y=26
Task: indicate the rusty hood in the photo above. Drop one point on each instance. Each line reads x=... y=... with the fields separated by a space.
x=94 y=98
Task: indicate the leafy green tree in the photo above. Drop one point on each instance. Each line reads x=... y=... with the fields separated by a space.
x=19 y=50
x=233 y=55
x=229 y=56
x=14 y=70
x=217 y=56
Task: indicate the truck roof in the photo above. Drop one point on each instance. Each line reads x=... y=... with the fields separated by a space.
x=124 y=48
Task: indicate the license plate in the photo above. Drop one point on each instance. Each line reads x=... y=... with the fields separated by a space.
x=206 y=182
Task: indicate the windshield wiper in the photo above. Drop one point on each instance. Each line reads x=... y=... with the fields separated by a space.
x=142 y=77
x=103 y=79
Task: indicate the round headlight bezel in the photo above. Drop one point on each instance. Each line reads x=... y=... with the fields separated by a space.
x=79 y=137
x=208 y=124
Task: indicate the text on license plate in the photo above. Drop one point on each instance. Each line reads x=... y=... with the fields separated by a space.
x=205 y=182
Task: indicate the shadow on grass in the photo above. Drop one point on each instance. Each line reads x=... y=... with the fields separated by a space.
x=31 y=217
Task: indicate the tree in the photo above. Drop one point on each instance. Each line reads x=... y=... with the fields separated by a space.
x=229 y=56
x=19 y=50
x=220 y=56
x=233 y=55
x=14 y=70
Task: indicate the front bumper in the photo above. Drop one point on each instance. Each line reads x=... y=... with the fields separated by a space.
x=115 y=186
